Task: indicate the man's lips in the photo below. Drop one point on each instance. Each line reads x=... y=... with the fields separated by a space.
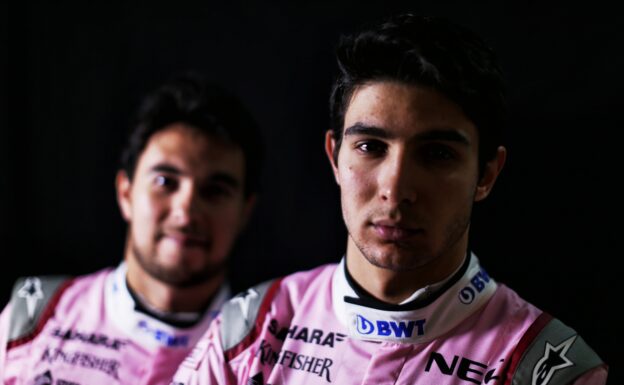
x=187 y=240
x=394 y=232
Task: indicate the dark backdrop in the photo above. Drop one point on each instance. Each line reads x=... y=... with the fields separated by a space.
x=73 y=73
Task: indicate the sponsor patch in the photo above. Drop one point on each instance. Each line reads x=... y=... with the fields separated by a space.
x=305 y=334
x=379 y=329
x=477 y=284
x=163 y=337
x=554 y=359
x=464 y=369
x=107 y=366
x=32 y=293
x=319 y=366
x=89 y=338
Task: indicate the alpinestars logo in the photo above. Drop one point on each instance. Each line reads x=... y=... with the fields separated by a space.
x=244 y=301
x=554 y=359
x=31 y=292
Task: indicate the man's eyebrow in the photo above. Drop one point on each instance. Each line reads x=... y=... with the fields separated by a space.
x=167 y=168
x=222 y=177
x=438 y=134
x=364 y=129
x=444 y=135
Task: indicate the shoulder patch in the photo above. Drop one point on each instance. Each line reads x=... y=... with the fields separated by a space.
x=33 y=299
x=556 y=356
x=242 y=315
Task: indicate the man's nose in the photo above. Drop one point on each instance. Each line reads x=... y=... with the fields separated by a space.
x=397 y=179
x=185 y=205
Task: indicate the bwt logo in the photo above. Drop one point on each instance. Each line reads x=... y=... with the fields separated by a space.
x=477 y=284
x=163 y=337
x=390 y=328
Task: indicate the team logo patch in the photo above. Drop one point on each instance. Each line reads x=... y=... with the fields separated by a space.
x=554 y=359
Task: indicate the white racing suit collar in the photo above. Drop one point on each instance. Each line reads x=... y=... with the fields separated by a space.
x=148 y=331
x=418 y=321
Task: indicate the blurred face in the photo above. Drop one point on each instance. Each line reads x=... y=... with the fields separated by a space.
x=185 y=205
x=408 y=175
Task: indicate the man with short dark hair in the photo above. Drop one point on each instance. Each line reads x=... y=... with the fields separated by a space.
x=186 y=188
x=417 y=113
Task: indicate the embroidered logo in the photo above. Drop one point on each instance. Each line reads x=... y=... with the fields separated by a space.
x=554 y=359
x=244 y=300
x=389 y=328
x=31 y=292
x=163 y=337
x=478 y=282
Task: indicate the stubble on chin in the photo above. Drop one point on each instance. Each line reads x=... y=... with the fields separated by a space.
x=400 y=256
x=403 y=256
x=178 y=276
x=391 y=259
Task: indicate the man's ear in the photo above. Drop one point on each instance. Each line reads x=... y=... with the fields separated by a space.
x=330 y=146
x=123 y=185
x=490 y=173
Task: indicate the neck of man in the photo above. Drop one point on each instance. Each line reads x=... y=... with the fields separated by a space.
x=167 y=298
x=394 y=286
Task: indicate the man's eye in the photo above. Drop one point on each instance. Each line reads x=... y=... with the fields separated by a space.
x=216 y=191
x=371 y=147
x=165 y=182
x=438 y=152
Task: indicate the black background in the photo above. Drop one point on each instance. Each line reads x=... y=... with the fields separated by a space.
x=73 y=73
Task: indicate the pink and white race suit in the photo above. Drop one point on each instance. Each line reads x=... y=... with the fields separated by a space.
x=86 y=330
x=318 y=327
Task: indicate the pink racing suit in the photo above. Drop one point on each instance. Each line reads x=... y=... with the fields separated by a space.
x=58 y=331
x=314 y=328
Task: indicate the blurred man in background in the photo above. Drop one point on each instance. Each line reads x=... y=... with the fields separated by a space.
x=186 y=189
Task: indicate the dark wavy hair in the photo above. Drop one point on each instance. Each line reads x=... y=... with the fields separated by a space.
x=188 y=98
x=425 y=51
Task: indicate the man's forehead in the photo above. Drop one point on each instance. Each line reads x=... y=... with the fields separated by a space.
x=399 y=109
x=191 y=151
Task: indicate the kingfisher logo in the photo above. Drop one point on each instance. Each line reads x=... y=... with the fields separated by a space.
x=392 y=329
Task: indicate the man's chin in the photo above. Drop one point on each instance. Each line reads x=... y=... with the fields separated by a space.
x=396 y=257
x=181 y=269
x=181 y=277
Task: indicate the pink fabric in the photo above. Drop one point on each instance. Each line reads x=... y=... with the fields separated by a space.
x=320 y=350
x=95 y=337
